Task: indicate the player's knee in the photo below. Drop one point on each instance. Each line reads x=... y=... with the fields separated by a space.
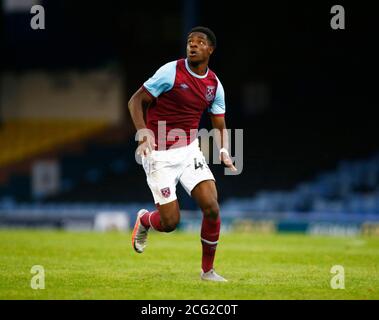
x=170 y=225
x=211 y=210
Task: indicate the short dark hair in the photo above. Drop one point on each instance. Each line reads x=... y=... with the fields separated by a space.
x=208 y=32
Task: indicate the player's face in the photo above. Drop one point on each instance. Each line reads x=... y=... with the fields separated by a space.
x=198 y=47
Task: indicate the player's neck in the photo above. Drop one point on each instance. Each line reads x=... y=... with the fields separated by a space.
x=200 y=68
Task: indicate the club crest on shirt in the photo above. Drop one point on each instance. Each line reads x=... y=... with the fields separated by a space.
x=166 y=192
x=210 y=94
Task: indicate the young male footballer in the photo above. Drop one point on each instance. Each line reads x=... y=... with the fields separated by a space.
x=176 y=96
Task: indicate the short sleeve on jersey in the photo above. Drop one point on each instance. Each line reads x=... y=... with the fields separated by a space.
x=162 y=81
x=218 y=105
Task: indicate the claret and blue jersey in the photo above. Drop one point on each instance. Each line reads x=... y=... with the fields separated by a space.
x=180 y=98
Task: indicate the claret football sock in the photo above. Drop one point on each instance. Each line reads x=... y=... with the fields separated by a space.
x=210 y=231
x=152 y=219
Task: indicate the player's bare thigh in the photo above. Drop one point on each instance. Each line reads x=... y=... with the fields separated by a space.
x=170 y=215
x=205 y=195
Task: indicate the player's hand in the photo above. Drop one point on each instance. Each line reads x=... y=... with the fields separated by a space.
x=146 y=145
x=225 y=158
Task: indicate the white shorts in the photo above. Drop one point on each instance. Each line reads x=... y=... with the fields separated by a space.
x=166 y=167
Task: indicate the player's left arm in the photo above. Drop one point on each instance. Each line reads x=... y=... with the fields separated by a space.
x=222 y=140
x=217 y=113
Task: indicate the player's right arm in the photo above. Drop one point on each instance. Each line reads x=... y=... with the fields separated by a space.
x=136 y=104
x=162 y=81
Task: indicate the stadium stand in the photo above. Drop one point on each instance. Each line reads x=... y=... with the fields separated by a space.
x=22 y=142
x=352 y=188
x=105 y=171
x=21 y=139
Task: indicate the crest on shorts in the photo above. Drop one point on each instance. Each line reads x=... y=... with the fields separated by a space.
x=210 y=94
x=166 y=192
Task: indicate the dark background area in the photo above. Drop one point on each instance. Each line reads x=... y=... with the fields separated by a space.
x=322 y=102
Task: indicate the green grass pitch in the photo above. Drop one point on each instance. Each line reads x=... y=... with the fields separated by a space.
x=85 y=265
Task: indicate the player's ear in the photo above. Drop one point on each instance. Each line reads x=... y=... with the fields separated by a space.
x=211 y=49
